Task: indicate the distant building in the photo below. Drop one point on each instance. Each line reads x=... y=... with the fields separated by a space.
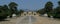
x=29 y=13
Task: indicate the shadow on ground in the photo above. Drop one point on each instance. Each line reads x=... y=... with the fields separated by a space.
x=4 y=20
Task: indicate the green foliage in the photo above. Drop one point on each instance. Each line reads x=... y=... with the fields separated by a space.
x=59 y=2
x=57 y=11
x=12 y=4
x=8 y=10
x=13 y=8
x=3 y=12
x=21 y=11
x=41 y=11
x=48 y=7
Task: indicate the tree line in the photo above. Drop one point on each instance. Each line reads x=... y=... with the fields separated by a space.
x=11 y=8
x=50 y=11
x=8 y=10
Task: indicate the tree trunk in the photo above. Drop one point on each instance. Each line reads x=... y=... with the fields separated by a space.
x=48 y=14
x=11 y=16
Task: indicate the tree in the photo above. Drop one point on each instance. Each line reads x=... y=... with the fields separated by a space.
x=59 y=3
x=48 y=7
x=21 y=11
x=3 y=12
x=41 y=11
x=57 y=11
x=13 y=8
x=5 y=7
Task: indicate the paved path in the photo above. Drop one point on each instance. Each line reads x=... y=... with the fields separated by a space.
x=38 y=20
x=46 y=20
x=32 y=20
x=27 y=20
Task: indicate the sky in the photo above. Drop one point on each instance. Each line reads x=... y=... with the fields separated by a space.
x=30 y=4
